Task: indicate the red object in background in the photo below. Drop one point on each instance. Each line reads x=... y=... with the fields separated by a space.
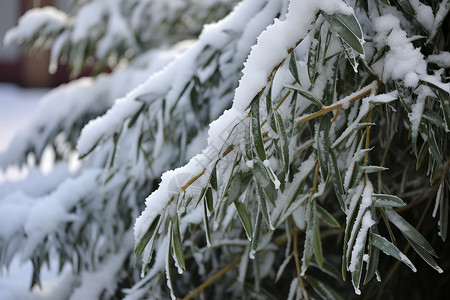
x=30 y=70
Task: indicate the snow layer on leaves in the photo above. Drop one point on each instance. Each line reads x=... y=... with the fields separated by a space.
x=402 y=59
x=169 y=82
x=275 y=42
x=33 y=21
x=271 y=48
x=442 y=59
x=41 y=220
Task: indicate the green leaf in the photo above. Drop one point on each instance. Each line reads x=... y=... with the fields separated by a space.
x=349 y=54
x=177 y=243
x=264 y=208
x=256 y=129
x=406 y=5
x=336 y=179
x=422 y=153
x=305 y=95
x=443 y=212
x=327 y=217
x=245 y=218
x=390 y=249
x=372 y=265
x=256 y=234
x=136 y=116
x=372 y=169
x=318 y=254
x=323 y=144
x=238 y=185
x=206 y=223
x=323 y=290
x=434 y=118
x=386 y=201
x=262 y=177
x=282 y=142
x=310 y=243
x=348 y=28
x=209 y=199
x=409 y=231
x=146 y=238
x=424 y=254
x=434 y=149
x=313 y=57
x=168 y=265
x=293 y=66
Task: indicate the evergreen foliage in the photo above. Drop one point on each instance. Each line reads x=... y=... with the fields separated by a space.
x=324 y=174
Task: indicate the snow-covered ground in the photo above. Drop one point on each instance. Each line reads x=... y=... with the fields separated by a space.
x=17 y=105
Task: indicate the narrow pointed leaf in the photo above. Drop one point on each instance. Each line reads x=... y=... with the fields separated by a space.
x=409 y=231
x=407 y=6
x=206 y=223
x=256 y=130
x=323 y=145
x=293 y=66
x=177 y=243
x=323 y=290
x=245 y=218
x=336 y=179
x=390 y=249
x=386 y=201
x=445 y=105
x=327 y=217
x=318 y=254
x=443 y=212
x=425 y=255
x=305 y=95
x=146 y=238
x=348 y=28
x=372 y=169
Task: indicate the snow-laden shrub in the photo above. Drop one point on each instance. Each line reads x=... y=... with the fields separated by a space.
x=330 y=143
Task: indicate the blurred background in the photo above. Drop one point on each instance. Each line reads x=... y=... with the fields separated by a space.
x=18 y=67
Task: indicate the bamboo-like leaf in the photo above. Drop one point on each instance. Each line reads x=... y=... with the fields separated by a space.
x=238 y=185
x=293 y=66
x=409 y=231
x=256 y=129
x=363 y=125
x=213 y=178
x=146 y=238
x=313 y=57
x=434 y=118
x=209 y=199
x=290 y=119
x=135 y=116
x=336 y=179
x=177 y=243
x=283 y=142
x=390 y=249
x=264 y=208
x=407 y=6
x=262 y=177
x=310 y=243
x=372 y=169
x=245 y=219
x=434 y=148
x=424 y=254
x=422 y=153
x=443 y=212
x=305 y=95
x=318 y=254
x=386 y=201
x=348 y=28
x=372 y=264
x=327 y=217
x=206 y=223
x=256 y=234
x=323 y=144
x=168 y=265
x=323 y=290
x=349 y=54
